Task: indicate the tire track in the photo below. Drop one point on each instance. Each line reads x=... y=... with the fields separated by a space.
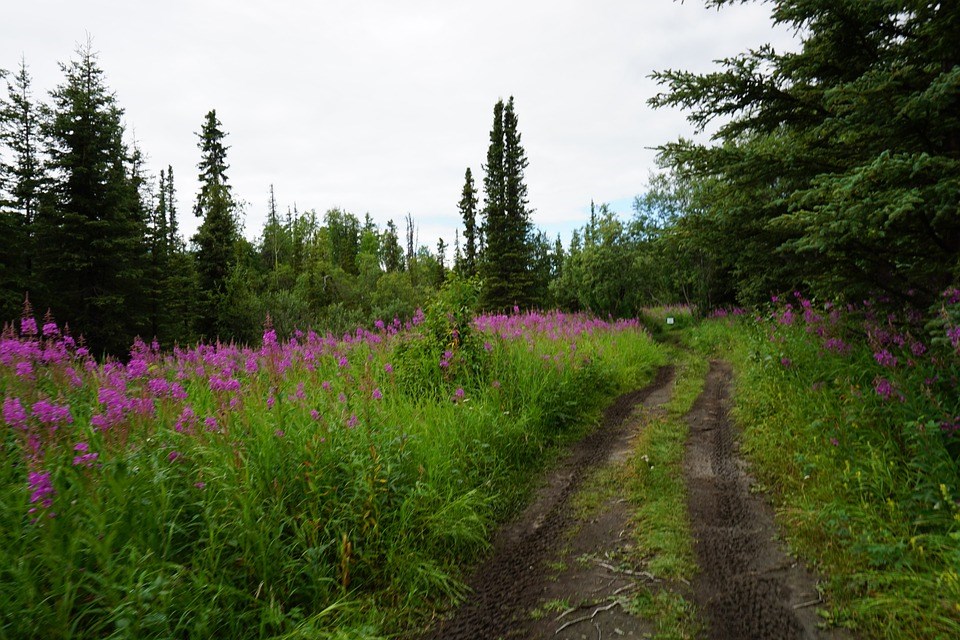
x=747 y=586
x=508 y=584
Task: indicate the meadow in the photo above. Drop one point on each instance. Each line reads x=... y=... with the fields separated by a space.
x=312 y=486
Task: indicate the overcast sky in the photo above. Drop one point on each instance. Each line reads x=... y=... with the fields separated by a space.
x=379 y=106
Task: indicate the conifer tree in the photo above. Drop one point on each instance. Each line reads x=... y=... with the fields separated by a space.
x=175 y=241
x=836 y=166
x=91 y=234
x=441 y=261
x=21 y=181
x=468 y=212
x=507 y=257
x=218 y=234
x=391 y=253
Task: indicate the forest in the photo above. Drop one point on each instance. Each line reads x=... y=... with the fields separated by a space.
x=331 y=419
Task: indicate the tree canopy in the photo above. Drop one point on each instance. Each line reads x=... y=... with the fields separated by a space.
x=837 y=166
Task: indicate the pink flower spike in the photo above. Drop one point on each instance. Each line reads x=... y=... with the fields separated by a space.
x=377 y=395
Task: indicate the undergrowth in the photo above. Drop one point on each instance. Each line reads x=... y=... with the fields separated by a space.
x=849 y=416
x=316 y=488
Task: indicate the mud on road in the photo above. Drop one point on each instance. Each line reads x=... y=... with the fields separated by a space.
x=748 y=587
x=509 y=585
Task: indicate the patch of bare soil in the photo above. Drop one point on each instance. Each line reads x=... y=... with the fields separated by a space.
x=748 y=587
x=517 y=580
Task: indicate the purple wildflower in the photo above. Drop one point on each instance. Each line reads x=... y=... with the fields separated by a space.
x=885 y=359
x=352 y=421
x=14 y=414
x=85 y=460
x=377 y=395
x=41 y=488
x=28 y=326
x=173 y=456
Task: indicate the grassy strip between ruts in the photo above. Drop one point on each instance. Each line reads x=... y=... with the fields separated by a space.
x=863 y=491
x=654 y=477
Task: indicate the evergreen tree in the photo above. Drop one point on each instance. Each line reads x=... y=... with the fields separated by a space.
x=468 y=212
x=441 y=261
x=391 y=253
x=837 y=167
x=175 y=240
x=273 y=233
x=344 y=230
x=91 y=234
x=21 y=184
x=218 y=234
x=507 y=259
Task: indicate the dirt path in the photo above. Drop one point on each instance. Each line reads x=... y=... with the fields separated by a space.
x=747 y=586
x=510 y=586
x=556 y=574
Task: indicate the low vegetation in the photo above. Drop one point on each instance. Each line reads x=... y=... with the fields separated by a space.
x=299 y=489
x=850 y=418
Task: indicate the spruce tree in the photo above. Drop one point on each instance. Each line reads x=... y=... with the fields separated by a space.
x=507 y=258
x=218 y=234
x=468 y=212
x=391 y=253
x=90 y=236
x=836 y=166
x=21 y=184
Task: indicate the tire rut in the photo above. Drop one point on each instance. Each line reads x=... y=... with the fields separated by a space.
x=508 y=584
x=747 y=586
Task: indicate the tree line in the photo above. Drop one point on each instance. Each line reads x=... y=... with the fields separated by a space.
x=87 y=234
x=834 y=169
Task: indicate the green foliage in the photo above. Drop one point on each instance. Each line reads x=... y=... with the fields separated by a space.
x=446 y=353
x=90 y=231
x=218 y=234
x=855 y=442
x=835 y=168
x=468 y=212
x=22 y=181
x=506 y=262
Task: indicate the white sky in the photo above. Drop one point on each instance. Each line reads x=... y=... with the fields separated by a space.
x=379 y=106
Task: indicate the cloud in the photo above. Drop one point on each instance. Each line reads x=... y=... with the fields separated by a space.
x=379 y=106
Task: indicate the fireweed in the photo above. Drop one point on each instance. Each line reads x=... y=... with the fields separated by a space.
x=307 y=484
x=858 y=439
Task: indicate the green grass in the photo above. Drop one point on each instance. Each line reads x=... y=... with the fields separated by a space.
x=357 y=522
x=863 y=488
x=654 y=477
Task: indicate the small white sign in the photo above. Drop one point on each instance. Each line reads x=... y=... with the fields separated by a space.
x=669 y=319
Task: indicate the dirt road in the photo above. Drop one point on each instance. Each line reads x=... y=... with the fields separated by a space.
x=554 y=575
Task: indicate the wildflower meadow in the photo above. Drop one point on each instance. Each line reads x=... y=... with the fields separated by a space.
x=312 y=486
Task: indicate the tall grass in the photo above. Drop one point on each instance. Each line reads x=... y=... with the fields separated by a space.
x=313 y=487
x=850 y=416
